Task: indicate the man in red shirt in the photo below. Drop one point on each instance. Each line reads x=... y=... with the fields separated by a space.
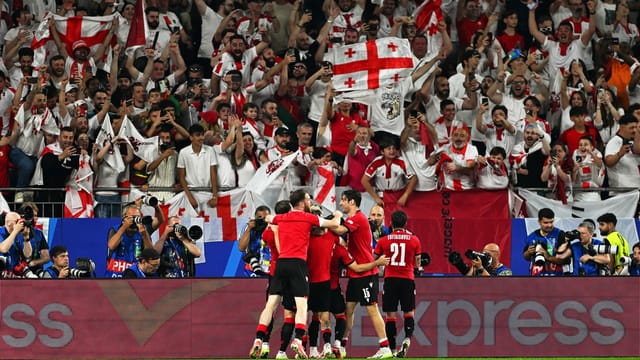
x=403 y=248
x=362 y=287
x=291 y=275
x=469 y=19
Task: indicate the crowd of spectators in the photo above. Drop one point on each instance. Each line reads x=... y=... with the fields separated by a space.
x=532 y=94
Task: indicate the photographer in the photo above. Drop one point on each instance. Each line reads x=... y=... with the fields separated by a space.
x=57 y=162
x=257 y=255
x=376 y=222
x=12 y=247
x=490 y=267
x=583 y=253
x=126 y=244
x=40 y=254
x=634 y=266
x=146 y=267
x=177 y=251
x=60 y=268
x=546 y=239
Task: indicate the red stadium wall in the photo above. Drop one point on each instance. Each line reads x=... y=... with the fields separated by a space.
x=217 y=318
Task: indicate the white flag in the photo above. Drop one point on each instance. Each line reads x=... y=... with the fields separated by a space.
x=622 y=205
x=268 y=172
x=78 y=200
x=113 y=157
x=144 y=148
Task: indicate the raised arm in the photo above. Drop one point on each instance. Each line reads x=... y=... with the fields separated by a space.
x=533 y=27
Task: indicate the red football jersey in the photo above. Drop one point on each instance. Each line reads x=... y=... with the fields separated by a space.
x=401 y=247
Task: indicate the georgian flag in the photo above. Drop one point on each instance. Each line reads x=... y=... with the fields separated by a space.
x=370 y=65
x=139 y=31
x=220 y=223
x=113 y=158
x=324 y=187
x=268 y=172
x=144 y=148
x=78 y=201
x=427 y=16
x=90 y=29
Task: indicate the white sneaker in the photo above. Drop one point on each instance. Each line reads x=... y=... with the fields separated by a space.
x=281 y=355
x=18 y=198
x=313 y=352
x=256 y=349
x=296 y=346
x=402 y=352
x=382 y=353
x=327 y=353
x=264 y=354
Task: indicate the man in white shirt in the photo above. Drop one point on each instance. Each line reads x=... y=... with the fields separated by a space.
x=197 y=168
x=622 y=154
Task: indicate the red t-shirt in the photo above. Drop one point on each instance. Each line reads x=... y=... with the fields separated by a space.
x=466 y=29
x=340 y=257
x=269 y=238
x=571 y=137
x=294 y=230
x=401 y=247
x=359 y=244
x=341 y=136
x=510 y=42
x=319 y=257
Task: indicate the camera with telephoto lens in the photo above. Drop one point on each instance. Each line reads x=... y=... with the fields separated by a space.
x=85 y=267
x=145 y=220
x=538 y=257
x=602 y=249
x=150 y=200
x=625 y=260
x=483 y=256
x=194 y=232
x=27 y=216
x=260 y=224
x=253 y=259
x=570 y=235
x=456 y=260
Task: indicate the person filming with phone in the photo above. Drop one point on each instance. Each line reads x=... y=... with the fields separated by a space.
x=622 y=155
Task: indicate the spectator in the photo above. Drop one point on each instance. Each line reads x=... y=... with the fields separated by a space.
x=126 y=244
x=197 y=169
x=510 y=38
x=417 y=141
x=24 y=70
x=57 y=163
x=608 y=114
x=528 y=157
x=247 y=158
x=162 y=170
x=532 y=107
x=624 y=31
x=492 y=171
x=634 y=267
x=146 y=266
x=588 y=170
x=31 y=121
x=390 y=176
x=557 y=172
x=469 y=18
x=178 y=251
x=607 y=226
x=544 y=242
x=457 y=161
x=258 y=20
x=571 y=137
x=237 y=58
x=495 y=268
x=224 y=149
x=362 y=151
x=500 y=132
x=621 y=157
x=444 y=125
x=20 y=35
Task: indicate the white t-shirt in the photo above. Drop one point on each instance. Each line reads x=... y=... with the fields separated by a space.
x=626 y=172
x=415 y=159
x=197 y=166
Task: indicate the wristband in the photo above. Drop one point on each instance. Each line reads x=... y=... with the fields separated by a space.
x=329 y=21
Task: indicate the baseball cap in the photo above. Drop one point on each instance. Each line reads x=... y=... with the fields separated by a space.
x=79 y=44
x=282 y=132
